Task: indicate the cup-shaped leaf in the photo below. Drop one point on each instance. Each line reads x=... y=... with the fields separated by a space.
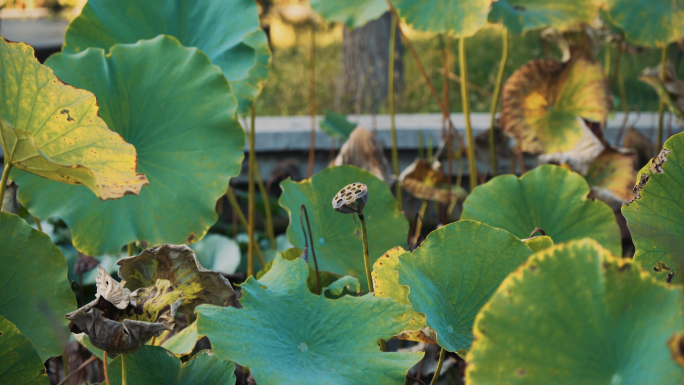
x=543 y=100
x=461 y=18
x=21 y=364
x=308 y=338
x=577 y=306
x=337 y=238
x=53 y=130
x=353 y=13
x=178 y=110
x=550 y=198
x=654 y=215
x=657 y=24
x=35 y=292
x=523 y=15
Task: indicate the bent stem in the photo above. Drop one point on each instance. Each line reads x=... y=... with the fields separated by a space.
x=106 y=367
x=661 y=108
x=3 y=181
x=313 y=252
x=495 y=101
x=243 y=221
x=442 y=353
x=366 y=257
x=462 y=60
x=419 y=223
x=390 y=101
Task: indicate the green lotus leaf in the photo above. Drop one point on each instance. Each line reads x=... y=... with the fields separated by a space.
x=218 y=28
x=462 y=264
x=246 y=90
x=352 y=13
x=519 y=16
x=218 y=252
x=84 y=340
x=20 y=364
x=308 y=338
x=178 y=265
x=550 y=198
x=177 y=109
x=539 y=243
x=386 y=282
x=543 y=100
x=654 y=214
x=184 y=341
x=460 y=18
x=656 y=24
x=53 y=130
x=575 y=314
x=155 y=365
x=336 y=125
x=35 y=291
x=337 y=238
x=613 y=171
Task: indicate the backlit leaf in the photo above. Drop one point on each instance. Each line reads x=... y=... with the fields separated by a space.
x=353 y=13
x=461 y=18
x=523 y=15
x=656 y=24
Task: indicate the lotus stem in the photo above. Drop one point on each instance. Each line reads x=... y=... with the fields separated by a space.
x=421 y=151
x=366 y=256
x=37 y=222
x=131 y=249
x=606 y=62
x=625 y=108
x=442 y=353
x=495 y=101
x=3 y=181
x=661 y=108
x=390 y=101
x=447 y=112
x=106 y=367
x=312 y=102
x=250 y=202
x=313 y=252
x=123 y=369
x=465 y=96
x=65 y=365
x=267 y=208
x=243 y=221
x=83 y=365
x=419 y=225
x=429 y=149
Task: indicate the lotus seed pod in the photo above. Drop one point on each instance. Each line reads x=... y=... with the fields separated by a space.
x=351 y=199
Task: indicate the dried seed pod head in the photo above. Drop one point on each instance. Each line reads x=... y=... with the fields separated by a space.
x=351 y=199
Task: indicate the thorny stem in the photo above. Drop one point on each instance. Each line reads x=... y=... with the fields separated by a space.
x=366 y=257
x=123 y=369
x=462 y=60
x=312 y=101
x=106 y=367
x=3 y=181
x=243 y=221
x=313 y=252
x=390 y=101
x=250 y=202
x=267 y=208
x=442 y=353
x=495 y=101
x=661 y=108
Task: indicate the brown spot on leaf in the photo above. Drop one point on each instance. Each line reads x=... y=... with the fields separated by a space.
x=657 y=163
x=191 y=237
x=521 y=372
x=637 y=189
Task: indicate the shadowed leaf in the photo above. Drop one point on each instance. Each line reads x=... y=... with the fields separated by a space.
x=352 y=13
x=425 y=182
x=656 y=24
x=523 y=15
x=613 y=171
x=337 y=125
x=20 y=363
x=457 y=17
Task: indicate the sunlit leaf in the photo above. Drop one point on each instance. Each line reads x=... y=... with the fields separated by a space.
x=53 y=130
x=461 y=18
x=454 y=272
x=575 y=314
x=35 y=292
x=523 y=15
x=307 y=338
x=218 y=252
x=155 y=365
x=550 y=198
x=353 y=13
x=337 y=239
x=336 y=125
x=654 y=216
x=178 y=110
x=543 y=100
x=613 y=171
x=20 y=364
x=184 y=341
x=656 y=24
x=538 y=243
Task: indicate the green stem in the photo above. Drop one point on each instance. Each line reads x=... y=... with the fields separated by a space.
x=250 y=204
x=495 y=102
x=243 y=221
x=366 y=257
x=267 y=208
x=429 y=149
x=606 y=62
x=123 y=369
x=3 y=181
x=419 y=225
x=661 y=109
x=131 y=249
x=462 y=60
x=420 y=145
x=390 y=101
x=442 y=353
x=38 y=226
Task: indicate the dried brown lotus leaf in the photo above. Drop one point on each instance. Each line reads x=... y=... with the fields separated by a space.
x=423 y=181
x=111 y=290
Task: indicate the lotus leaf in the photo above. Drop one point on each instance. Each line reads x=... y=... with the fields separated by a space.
x=352 y=13
x=426 y=182
x=543 y=100
x=177 y=109
x=654 y=215
x=84 y=340
x=671 y=91
x=386 y=282
x=184 y=341
x=178 y=265
x=336 y=125
x=35 y=291
x=53 y=130
x=246 y=90
x=337 y=239
x=218 y=28
x=461 y=18
x=20 y=364
x=656 y=24
x=613 y=171
x=523 y=15
x=461 y=264
x=155 y=365
x=308 y=338
x=539 y=243
x=550 y=198
x=218 y=252
x=575 y=314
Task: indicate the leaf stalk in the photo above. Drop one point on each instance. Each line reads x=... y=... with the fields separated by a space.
x=495 y=101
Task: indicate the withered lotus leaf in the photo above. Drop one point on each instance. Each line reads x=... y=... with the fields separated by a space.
x=425 y=182
x=543 y=99
x=612 y=173
x=177 y=264
x=671 y=91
